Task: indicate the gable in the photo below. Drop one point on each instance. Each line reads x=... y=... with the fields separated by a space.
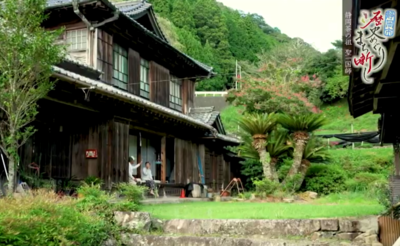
x=209 y=116
x=143 y=13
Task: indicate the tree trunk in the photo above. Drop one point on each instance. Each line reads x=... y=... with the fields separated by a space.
x=305 y=164
x=274 y=173
x=265 y=160
x=11 y=176
x=297 y=157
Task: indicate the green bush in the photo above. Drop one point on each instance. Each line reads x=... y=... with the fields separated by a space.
x=324 y=179
x=362 y=181
x=265 y=187
x=283 y=168
x=132 y=193
x=45 y=219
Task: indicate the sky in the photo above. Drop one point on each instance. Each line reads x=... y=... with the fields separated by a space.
x=318 y=22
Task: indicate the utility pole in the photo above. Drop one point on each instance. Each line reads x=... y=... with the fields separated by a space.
x=236 y=74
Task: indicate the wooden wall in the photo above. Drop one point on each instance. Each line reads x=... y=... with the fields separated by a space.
x=217 y=169
x=119 y=151
x=105 y=55
x=134 y=72
x=159 y=84
x=186 y=161
x=188 y=95
x=61 y=155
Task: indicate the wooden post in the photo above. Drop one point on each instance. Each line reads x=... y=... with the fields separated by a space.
x=139 y=156
x=163 y=158
x=396 y=150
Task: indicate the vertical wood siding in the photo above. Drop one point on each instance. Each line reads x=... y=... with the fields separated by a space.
x=216 y=168
x=159 y=84
x=119 y=153
x=105 y=55
x=188 y=89
x=389 y=230
x=134 y=72
x=186 y=161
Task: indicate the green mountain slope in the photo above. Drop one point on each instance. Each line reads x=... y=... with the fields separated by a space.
x=216 y=35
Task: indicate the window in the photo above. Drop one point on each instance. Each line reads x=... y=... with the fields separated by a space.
x=120 y=67
x=144 y=79
x=175 y=98
x=76 y=39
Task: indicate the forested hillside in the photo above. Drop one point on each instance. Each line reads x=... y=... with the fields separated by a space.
x=216 y=35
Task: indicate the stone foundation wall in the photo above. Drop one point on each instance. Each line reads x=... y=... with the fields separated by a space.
x=359 y=231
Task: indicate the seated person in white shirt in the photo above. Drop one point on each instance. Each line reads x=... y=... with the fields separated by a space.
x=132 y=167
x=147 y=176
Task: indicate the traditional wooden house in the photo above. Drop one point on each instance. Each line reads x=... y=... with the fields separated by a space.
x=123 y=91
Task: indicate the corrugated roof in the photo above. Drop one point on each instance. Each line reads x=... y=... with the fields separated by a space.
x=110 y=90
x=229 y=138
x=63 y=3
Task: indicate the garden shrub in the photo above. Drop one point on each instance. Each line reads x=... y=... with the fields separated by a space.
x=361 y=181
x=324 y=179
x=132 y=193
x=283 y=168
x=46 y=219
x=251 y=169
x=265 y=187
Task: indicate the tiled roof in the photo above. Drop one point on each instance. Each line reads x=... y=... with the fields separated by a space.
x=229 y=138
x=206 y=114
x=135 y=8
x=63 y=3
x=99 y=86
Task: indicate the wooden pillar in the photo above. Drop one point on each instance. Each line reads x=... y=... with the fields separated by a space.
x=139 y=155
x=396 y=149
x=163 y=158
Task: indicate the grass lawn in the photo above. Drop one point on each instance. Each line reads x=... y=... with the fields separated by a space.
x=253 y=210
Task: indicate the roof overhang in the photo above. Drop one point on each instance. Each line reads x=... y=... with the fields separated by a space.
x=108 y=90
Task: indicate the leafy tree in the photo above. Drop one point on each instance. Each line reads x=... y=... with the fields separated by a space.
x=182 y=15
x=258 y=126
x=263 y=96
x=300 y=126
x=28 y=53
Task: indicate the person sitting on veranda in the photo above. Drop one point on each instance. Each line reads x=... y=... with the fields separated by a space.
x=132 y=166
x=147 y=176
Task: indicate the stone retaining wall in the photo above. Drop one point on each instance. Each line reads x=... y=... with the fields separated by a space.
x=360 y=231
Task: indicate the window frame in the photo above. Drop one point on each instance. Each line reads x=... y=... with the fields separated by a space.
x=144 y=90
x=77 y=46
x=175 y=93
x=120 y=75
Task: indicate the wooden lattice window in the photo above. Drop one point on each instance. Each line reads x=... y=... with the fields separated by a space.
x=144 y=78
x=120 y=67
x=76 y=39
x=175 y=96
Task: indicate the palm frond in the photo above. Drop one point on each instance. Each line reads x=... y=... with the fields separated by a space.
x=278 y=143
x=315 y=151
x=247 y=150
x=254 y=124
x=306 y=122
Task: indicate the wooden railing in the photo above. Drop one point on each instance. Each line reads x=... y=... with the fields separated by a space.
x=210 y=93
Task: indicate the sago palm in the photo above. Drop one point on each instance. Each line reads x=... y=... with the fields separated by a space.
x=314 y=151
x=277 y=147
x=300 y=126
x=258 y=126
